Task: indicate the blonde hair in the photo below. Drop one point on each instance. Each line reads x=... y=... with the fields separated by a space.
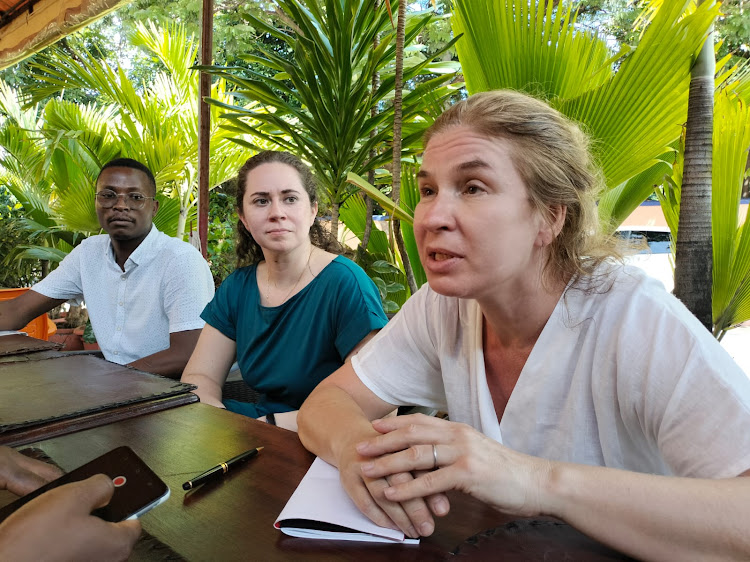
x=551 y=154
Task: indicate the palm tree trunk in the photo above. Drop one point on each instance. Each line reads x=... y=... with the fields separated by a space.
x=694 y=251
x=181 y=220
x=371 y=174
x=397 y=114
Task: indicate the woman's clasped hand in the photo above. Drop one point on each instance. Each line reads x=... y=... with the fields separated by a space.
x=445 y=456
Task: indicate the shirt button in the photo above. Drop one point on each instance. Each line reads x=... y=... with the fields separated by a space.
x=116 y=352
x=122 y=277
x=120 y=303
x=119 y=329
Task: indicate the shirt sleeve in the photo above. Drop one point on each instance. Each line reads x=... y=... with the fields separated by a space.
x=401 y=364
x=682 y=390
x=187 y=291
x=359 y=310
x=221 y=312
x=64 y=282
x=700 y=415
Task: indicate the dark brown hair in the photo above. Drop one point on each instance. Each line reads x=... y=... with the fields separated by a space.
x=551 y=154
x=249 y=251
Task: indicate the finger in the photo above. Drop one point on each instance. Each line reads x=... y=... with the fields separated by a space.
x=416 y=509
x=363 y=499
x=417 y=457
x=94 y=492
x=118 y=539
x=45 y=470
x=387 y=424
x=21 y=481
x=394 y=511
x=129 y=530
x=400 y=439
x=439 y=504
x=428 y=484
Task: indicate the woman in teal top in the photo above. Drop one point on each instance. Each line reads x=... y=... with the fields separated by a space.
x=292 y=312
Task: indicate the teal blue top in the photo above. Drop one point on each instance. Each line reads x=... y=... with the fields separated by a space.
x=284 y=351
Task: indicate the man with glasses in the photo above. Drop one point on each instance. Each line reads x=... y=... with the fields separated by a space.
x=144 y=290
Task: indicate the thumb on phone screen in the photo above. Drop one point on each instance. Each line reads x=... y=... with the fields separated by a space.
x=63 y=517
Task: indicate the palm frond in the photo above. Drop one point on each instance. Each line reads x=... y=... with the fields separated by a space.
x=631 y=104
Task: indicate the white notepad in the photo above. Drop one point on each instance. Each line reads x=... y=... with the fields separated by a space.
x=320 y=501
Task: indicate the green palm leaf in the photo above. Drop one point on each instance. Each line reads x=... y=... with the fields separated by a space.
x=354 y=216
x=731 y=243
x=409 y=199
x=520 y=45
x=633 y=110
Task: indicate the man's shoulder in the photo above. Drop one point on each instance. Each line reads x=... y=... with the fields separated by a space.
x=90 y=248
x=170 y=246
x=96 y=242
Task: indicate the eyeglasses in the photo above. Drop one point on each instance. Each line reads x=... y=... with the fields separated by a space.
x=107 y=199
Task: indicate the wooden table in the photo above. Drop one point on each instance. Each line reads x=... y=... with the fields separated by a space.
x=233 y=519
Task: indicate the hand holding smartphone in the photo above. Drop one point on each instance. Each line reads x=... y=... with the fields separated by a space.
x=137 y=488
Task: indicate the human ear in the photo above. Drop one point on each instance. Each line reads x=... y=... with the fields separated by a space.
x=314 y=213
x=552 y=225
x=242 y=219
x=156 y=208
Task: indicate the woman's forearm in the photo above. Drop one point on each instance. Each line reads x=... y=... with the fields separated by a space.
x=208 y=389
x=330 y=421
x=653 y=517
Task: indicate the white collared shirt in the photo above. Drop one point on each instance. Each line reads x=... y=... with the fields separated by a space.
x=164 y=288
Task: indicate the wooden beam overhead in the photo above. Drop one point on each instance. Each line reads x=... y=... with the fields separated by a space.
x=35 y=24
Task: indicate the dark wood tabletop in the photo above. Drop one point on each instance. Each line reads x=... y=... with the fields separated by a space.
x=233 y=519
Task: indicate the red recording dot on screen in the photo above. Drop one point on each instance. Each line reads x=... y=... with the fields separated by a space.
x=119 y=481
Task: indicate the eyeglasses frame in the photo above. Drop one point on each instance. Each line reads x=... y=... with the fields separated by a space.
x=126 y=197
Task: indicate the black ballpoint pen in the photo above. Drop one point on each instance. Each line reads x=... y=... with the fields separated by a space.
x=220 y=470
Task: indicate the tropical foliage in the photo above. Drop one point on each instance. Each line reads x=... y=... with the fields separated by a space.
x=12 y=235
x=731 y=241
x=632 y=104
x=156 y=124
x=318 y=104
x=23 y=174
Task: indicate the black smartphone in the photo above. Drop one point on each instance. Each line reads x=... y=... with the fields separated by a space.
x=137 y=488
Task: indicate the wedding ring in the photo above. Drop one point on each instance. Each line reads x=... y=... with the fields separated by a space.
x=434 y=456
